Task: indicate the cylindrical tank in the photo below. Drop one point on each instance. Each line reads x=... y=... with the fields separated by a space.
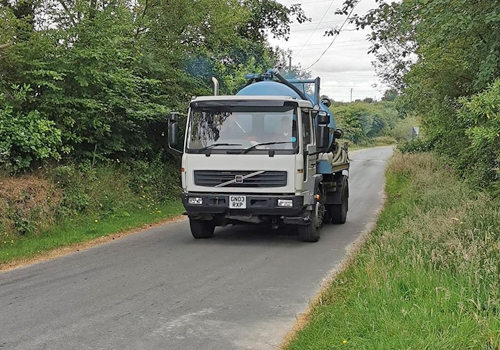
x=277 y=88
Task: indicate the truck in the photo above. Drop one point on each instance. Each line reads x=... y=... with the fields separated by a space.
x=268 y=155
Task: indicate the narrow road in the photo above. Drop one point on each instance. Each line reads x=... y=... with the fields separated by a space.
x=162 y=289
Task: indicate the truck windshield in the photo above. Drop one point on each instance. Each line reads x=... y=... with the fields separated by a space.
x=241 y=127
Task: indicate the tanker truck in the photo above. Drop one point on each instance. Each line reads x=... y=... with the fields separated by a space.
x=268 y=155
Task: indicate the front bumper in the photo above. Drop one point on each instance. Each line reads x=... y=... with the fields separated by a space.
x=257 y=205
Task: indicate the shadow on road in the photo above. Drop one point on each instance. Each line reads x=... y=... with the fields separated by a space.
x=253 y=234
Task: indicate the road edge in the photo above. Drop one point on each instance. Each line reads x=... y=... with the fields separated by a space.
x=352 y=251
x=78 y=247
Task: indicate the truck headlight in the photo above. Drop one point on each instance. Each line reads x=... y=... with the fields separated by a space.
x=195 y=200
x=285 y=203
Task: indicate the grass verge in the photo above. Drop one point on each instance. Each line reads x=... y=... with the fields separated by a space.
x=69 y=232
x=428 y=277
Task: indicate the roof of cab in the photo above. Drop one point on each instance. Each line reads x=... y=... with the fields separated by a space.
x=300 y=102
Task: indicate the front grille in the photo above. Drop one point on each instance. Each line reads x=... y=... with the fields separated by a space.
x=213 y=178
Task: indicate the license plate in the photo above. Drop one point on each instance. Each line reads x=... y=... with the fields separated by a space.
x=237 y=202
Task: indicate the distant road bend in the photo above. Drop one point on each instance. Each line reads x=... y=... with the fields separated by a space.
x=162 y=289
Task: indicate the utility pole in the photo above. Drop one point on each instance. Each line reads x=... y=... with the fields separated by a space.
x=290 y=63
x=351 y=94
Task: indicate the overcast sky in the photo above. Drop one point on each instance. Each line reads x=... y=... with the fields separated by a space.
x=346 y=65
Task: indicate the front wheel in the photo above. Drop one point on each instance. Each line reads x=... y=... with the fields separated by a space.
x=310 y=232
x=202 y=228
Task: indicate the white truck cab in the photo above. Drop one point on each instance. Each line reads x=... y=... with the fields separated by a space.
x=253 y=159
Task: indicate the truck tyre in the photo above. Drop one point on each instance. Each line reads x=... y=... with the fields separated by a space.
x=338 y=212
x=310 y=232
x=202 y=228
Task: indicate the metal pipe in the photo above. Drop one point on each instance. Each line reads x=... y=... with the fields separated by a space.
x=216 y=86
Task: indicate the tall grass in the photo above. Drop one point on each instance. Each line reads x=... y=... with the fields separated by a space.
x=81 y=229
x=428 y=277
x=73 y=203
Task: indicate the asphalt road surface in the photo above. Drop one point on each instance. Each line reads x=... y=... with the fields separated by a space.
x=162 y=289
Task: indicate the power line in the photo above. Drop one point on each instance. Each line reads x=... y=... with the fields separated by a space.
x=312 y=33
x=328 y=27
x=335 y=37
x=312 y=23
x=338 y=42
x=312 y=2
x=362 y=46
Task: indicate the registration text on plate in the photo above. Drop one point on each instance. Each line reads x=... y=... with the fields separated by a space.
x=237 y=202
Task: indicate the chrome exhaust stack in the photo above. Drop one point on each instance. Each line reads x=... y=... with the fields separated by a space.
x=216 y=86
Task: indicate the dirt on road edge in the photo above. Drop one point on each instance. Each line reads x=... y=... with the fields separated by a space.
x=59 y=252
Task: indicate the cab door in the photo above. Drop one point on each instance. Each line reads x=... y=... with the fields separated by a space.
x=308 y=148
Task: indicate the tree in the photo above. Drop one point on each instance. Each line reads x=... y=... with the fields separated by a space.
x=104 y=72
x=282 y=63
x=390 y=95
x=439 y=54
x=270 y=14
x=361 y=121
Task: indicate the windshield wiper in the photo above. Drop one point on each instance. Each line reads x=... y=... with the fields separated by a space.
x=216 y=145
x=264 y=144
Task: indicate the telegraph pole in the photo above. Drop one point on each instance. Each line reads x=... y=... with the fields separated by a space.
x=351 y=94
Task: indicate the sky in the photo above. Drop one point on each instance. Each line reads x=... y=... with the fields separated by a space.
x=346 y=67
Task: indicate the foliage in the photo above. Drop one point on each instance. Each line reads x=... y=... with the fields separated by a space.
x=102 y=190
x=25 y=138
x=158 y=180
x=102 y=75
x=401 y=131
x=272 y=15
x=481 y=155
x=438 y=54
x=361 y=121
x=390 y=95
x=416 y=145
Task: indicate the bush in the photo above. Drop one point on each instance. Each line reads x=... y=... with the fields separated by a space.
x=98 y=190
x=158 y=180
x=401 y=131
x=384 y=140
x=480 y=158
x=416 y=145
x=108 y=188
x=28 y=204
x=26 y=137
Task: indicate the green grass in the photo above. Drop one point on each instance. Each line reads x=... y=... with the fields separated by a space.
x=428 y=277
x=83 y=229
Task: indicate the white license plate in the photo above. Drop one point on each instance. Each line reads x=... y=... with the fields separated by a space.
x=237 y=202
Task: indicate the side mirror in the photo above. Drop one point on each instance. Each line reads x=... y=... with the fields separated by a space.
x=323 y=137
x=326 y=102
x=173 y=130
x=338 y=133
x=173 y=133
